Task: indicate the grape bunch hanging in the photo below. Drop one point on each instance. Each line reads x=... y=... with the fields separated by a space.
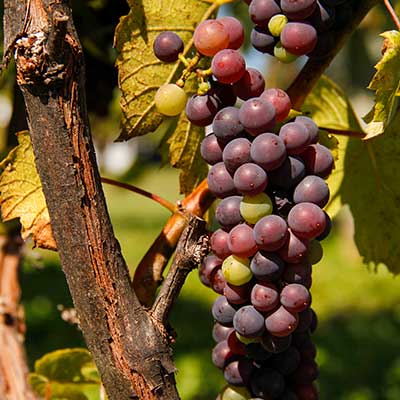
x=269 y=172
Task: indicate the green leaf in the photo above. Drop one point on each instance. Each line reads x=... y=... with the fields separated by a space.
x=21 y=194
x=386 y=84
x=66 y=374
x=140 y=72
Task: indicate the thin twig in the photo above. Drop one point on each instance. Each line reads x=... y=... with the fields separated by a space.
x=343 y=132
x=392 y=13
x=165 y=203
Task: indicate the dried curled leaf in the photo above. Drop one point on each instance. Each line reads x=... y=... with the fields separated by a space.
x=21 y=194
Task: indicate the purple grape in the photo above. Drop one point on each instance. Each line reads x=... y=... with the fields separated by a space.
x=281 y=322
x=282 y=202
x=235 y=31
x=219 y=244
x=221 y=332
x=262 y=40
x=167 y=46
x=218 y=282
x=241 y=241
x=274 y=344
x=224 y=94
x=271 y=233
x=257 y=352
x=312 y=189
x=299 y=38
x=289 y=174
x=306 y=392
x=295 y=298
x=286 y=362
x=208 y=268
x=235 y=344
x=228 y=66
x=315 y=252
x=227 y=212
x=222 y=354
x=257 y=116
x=306 y=373
x=298 y=273
x=220 y=182
x=295 y=136
x=305 y=319
x=236 y=153
x=264 y=296
x=294 y=250
x=280 y=100
x=311 y=126
x=201 y=110
x=308 y=351
x=328 y=228
x=323 y=17
x=250 y=179
x=237 y=294
x=248 y=322
x=222 y=311
x=268 y=151
x=267 y=266
x=211 y=150
x=261 y=11
x=251 y=84
x=314 y=322
x=238 y=372
x=288 y=395
x=267 y=383
x=318 y=160
x=298 y=9
x=226 y=124
x=306 y=220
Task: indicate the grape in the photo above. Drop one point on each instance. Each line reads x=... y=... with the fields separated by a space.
x=307 y=350
x=208 y=268
x=251 y=84
x=262 y=40
x=211 y=149
x=295 y=249
x=264 y=297
x=236 y=153
x=298 y=9
x=235 y=31
x=222 y=311
x=253 y=208
x=283 y=55
x=315 y=252
x=219 y=244
x=307 y=392
x=261 y=11
x=236 y=270
x=224 y=94
x=227 y=212
x=267 y=266
x=280 y=100
x=237 y=294
x=277 y=23
x=318 y=160
x=328 y=228
x=201 y=110
x=257 y=352
x=210 y=37
x=288 y=395
x=322 y=18
x=241 y=241
x=222 y=354
x=218 y=282
x=221 y=332
x=235 y=393
x=310 y=125
x=271 y=233
x=257 y=116
x=281 y=322
x=220 y=181
x=238 y=372
x=170 y=99
x=298 y=273
x=306 y=220
x=314 y=322
x=306 y=373
x=295 y=298
x=248 y=322
x=250 y=179
x=312 y=189
x=245 y=340
x=282 y=202
x=305 y=319
x=289 y=174
x=235 y=344
x=275 y=344
x=286 y=362
x=299 y=338
x=167 y=46
x=268 y=151
x=228 y=66
x=226 y=124
x=299 y=38
x=267 y=383
x=295 y=136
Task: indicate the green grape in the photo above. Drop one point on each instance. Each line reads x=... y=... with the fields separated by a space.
x=283 y=55
x=246 y=340
x=235 y=393
x=277 y=23
x=253 y=208
x=315 y=252
x=236 y=270
x=170 y=99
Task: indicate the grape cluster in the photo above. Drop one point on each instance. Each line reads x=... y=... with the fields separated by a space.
x=271 y=181
x=288 y=29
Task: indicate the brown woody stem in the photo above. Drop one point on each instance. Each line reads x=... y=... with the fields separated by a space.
x=392 y=13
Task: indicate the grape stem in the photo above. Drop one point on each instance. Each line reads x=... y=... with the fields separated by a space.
x=392 y=13
x=190 y=66
x=163 y=202
x=343 y=132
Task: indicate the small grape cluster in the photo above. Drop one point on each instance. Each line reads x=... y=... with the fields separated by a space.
x=271 y=181
x=288 y=29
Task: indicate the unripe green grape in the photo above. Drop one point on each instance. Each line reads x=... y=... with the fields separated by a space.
x=277 y=23
x=283 y=55
x=170 y=99
x=235 y=393
x=246 y=340
x=315 y=252
x=253 y=208
x=236 y=270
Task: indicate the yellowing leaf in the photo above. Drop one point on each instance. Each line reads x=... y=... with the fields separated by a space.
x=21 y=194
x=386 y=84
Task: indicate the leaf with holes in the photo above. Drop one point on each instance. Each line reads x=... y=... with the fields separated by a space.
x=21 y=194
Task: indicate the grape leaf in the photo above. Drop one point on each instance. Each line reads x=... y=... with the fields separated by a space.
x=386 y=84
x=66 y=374
x=21 y=194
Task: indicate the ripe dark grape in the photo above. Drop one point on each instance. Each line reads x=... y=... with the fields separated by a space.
x=218 y=282
x=201 y=110
x=268 y=151
x=267 y=266
x=307 y=372
x=207 y=268
x=312 y=189
x=251 y=84
x=328 y=228
x=307 y=392
x=298 y=273
x=222 y=311
x=248 y=322
x=314 y=322
x=221 y=332
x=237 y=294
x=274 y=344
x=257 y=116
x=236 y=153
x=295 y=136
x=222 y=354
x=228 y=66
x=315 y=252
x=318 y=160
x=299 y=38
x=238 y=372
x=271 y=233
x=210 y=37
x=167 y=46
x=289 y=174
x=281 y=322
x=235 y=344
x=267 y=383
x=220 y=182
x=280 y=100
x=250 y=179
x=298 y=9
x=257 y=352
x=295 y=249
x=224 y=94
x=286 y=362
x=262 y=40
x=305 y=319
x=288 y=395
x=235 y=31
x=211 y=150
x=226 y=125
x=264 y=297
x=261 y=11
x=219 y=244
x=323 y=17
x=310 y=125
x=295 y=298
x=282 y=202
x=306 y=220
x=241 y=241
x=227 y=212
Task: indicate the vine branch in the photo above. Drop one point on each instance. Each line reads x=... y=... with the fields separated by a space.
x=392 y=13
